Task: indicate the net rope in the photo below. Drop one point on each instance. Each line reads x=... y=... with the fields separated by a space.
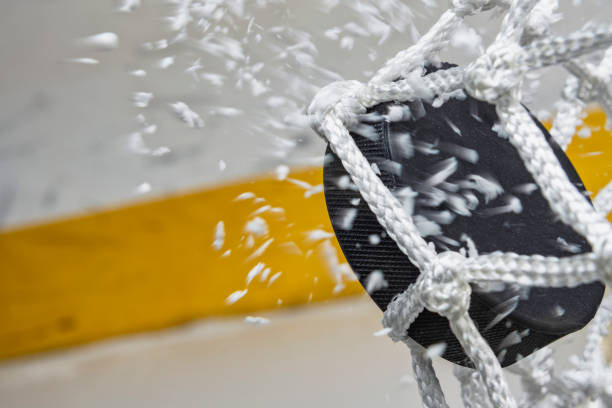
x=525 y=42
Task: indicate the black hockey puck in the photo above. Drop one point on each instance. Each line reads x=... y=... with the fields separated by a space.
x=468 y=190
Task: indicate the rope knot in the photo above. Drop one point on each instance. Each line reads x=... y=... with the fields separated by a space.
x=442 y=291
x=344 y=98
x=496 y=75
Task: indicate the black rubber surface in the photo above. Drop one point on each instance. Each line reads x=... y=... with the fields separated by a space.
x=538 y=316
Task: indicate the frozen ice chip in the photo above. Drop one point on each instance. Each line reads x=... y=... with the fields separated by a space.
x=261 y=210
x=193 y=69
x=376 y=281
x=259 y=251
x=85 y=61
x=256 y=321
x=347 y=42
x=454 y=127
x=214 y=79
x=472 y=250
x=219 y=236
x=425 y=148
x=442 y=171
x=277 y=101
x=346 y=218
x=291 y=248
x=300 y=183
x=526 y=188
x=584 y=133
x=257 y=227
x=236 y=296
x=265 y=274
x=161 y=44
x=313 y=190
x=127 y=6
x=558 y=311
x=383 y=332
x=502 y=310
x=396 y=113
x=568 y=247
x=406 y=197
x=136 y=143
x=487 y=186
x=460 y=152
x=165 y=62
x=356 y=29
x=333 y=33
x=150 y=129
x=435 y=350
x=443 y=217
x=143 y=188
x=187 y=115
x=344 y=182
x=510 y=340
x=274 y=277
x=499 y=129
x=257 y=87
x=141 y=99
x=404 y=145
x=407 y=379
x=365 y=130
x=102 y=41
x=245 y=196
x=226 y=111
x=256 y=270
x=513 y=205
x=138 y=73
x=160 y=151
x=458 y=204
x=426 y=226
x=392 y=167
x=282 y=172
x=318 y=234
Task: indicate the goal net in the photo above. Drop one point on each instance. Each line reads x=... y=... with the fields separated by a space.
x=525 y=42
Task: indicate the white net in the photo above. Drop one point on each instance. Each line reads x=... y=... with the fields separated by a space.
x=525 y=42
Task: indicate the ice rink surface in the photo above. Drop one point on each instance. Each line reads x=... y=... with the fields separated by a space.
x=65 y=148
x=319 y=356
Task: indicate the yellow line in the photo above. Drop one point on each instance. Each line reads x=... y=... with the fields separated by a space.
x=152 y=265
x=592 y=155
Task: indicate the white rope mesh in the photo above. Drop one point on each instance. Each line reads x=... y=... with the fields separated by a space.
x=429 y=386
x=473 y=391
x=525 y=42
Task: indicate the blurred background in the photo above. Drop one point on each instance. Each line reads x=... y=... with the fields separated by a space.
x=164 y=239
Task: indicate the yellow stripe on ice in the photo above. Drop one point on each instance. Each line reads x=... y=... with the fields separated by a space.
x=153 y=265
x=592 y=155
